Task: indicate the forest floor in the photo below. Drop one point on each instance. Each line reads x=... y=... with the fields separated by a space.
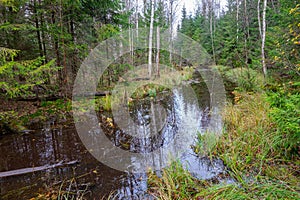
x=20 y=107
x=19 y=116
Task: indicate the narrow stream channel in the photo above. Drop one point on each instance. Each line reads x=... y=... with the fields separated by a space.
x=56 y=143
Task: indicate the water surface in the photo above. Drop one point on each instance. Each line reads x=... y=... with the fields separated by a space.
x=158 y=122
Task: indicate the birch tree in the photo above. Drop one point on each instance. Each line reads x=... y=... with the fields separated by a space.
x=211 y=26
x=264 y=39
x=137 y=18
x=150 y=39
x=157 y=49
x=172 y=5
x=262 y=31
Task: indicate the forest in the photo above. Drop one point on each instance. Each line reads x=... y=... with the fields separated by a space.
x=220 y=79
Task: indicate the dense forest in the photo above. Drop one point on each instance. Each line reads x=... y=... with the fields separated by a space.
x=50 y=39
x=254 y=45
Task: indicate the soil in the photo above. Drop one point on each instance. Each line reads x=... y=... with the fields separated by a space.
x=20 y=107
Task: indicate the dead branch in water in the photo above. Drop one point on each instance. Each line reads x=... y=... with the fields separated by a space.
x=35 y=169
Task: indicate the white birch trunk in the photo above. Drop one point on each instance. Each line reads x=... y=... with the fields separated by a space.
x=171 y=4
x=137 y=18
x=211 y=21
x=262 y=32
x=263 y=39
x=157 y=50
x=150 y=39
x=258 y=18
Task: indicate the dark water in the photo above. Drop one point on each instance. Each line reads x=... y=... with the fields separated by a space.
x=56 y=143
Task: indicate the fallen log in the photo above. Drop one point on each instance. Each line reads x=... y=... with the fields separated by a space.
x=96 y=94
x=44 y=98
x=56 y=97
x=141 y=79
x=35 y=169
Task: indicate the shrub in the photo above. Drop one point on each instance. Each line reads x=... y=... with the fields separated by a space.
x=285 y=113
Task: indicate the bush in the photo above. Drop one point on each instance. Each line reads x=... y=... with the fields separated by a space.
x=285 y=113
x=246 y=79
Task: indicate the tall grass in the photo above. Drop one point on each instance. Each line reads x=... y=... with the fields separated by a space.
x=175 y=183
x=248 y=141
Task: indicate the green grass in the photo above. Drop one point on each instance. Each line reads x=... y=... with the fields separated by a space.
x=175 y=183
x=103 y=103
x=249 y=148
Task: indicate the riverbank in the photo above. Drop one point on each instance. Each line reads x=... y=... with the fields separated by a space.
x=260 y=152
x=22 y=116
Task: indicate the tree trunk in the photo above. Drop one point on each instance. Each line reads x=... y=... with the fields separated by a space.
x=137 y=18
x=43 y=38
x=211 y=21
x=157 y=50
x=150 y=39
x=262 y=31
x=36 y=19
x=171 y=30
x=258 y=18
x=55 y=41
x=247 y=33
x=263 y=40
x=204 y=4
x=237 y=21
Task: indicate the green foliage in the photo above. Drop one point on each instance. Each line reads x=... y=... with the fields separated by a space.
x=60 y=104
x=148 y=90
x=7 y=54
x=283 y=39
x=152 y=92
x=9 y=122
x=285 y=112
x=106 y=31
x=205 y=143
x=15 y=27
x=59 y=109
x=160 y=15
x=10 y=3
x=175 y=183
x=17 y=78
x=62 y=30
x=103 y=103
x=247 y=79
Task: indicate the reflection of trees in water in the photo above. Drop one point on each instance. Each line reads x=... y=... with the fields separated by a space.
x=37 y=150
x=134 y=186
x=41 y=148
x=151 y=129
x=150 y=135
